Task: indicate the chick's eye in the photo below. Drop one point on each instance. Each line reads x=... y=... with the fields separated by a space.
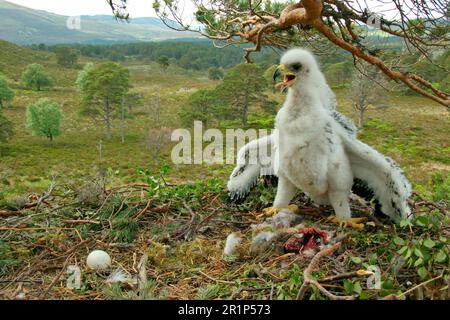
x=296 y=66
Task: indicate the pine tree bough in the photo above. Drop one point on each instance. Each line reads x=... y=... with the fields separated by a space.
x=407 y=78
x=421 y=24
x=309 y=12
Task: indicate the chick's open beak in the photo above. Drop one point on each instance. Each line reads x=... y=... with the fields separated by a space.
x=288 y=77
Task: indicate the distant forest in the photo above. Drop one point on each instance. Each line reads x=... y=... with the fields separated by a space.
x=195 y=54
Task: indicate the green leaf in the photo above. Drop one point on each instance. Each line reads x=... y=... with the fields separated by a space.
x=426 y=254
x=387 y=284
x=405 y=223
x=364 y=296
x=422 y=272
x=357 y=288
x=348 y=286
x=441 y=256
x=373 y=258
x=408 y=253
x=356 y=260
x=399 y=241
x=429 y=243
x=164 y=169
x=403 y=249
x=418 y=253
x=422 y=221
x=418 y=262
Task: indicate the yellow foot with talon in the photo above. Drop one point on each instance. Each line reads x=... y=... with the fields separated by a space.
x=273 y=210
x=356 y=223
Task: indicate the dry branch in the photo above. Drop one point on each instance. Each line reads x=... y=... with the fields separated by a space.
x=346 y=275
x=418 y=286
x=46 y=195
x=81 y=221
x=58 y=276
x=140 y=213
x=9 y=213
x=314 y=265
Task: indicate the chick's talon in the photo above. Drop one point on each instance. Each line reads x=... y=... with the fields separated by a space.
x=270 y=211
x=355 y=223
x=294 y=208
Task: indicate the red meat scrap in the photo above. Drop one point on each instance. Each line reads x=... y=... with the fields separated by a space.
x=306 y=239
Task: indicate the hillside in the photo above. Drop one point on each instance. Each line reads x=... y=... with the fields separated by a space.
x=22 y=25
x=15 y=58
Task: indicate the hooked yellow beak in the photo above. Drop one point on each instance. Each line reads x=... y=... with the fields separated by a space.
x=289 y=78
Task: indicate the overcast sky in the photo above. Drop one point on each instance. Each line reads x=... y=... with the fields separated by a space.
x=143 y=8
x=137 y=8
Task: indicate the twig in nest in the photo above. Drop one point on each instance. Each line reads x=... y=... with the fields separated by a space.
x=42 y=199
x=131 y=185
x=32 y=229
x=191 y=227
x=46 y=195
x=313 y=265
x=315 y=212
x=238 y=291
x=41 y=281
x=418 y=286
x=82 y=221
x=429 y=203
x=58 y=276
x=140 y=213
x=104 y=202
x=122 y=204
x=207 y=218
x=217 y=280
x=234 y=222
x=70 y=253
x=358 y=273
x=9 y=213
x=282 y=257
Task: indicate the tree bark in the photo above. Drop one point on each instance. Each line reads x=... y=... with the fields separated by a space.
x=244 y=115
x=361 y=116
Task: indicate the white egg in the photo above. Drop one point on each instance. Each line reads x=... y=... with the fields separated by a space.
x=98 y=260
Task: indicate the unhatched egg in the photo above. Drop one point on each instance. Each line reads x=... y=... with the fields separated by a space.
x=98 y=260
